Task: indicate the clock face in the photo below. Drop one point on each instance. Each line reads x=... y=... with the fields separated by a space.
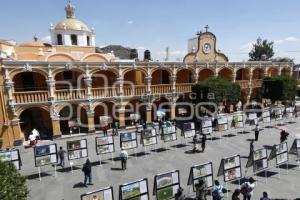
x=206 y=48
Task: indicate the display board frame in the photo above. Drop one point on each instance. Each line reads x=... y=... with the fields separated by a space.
x=169 y=186
x=130 y=140
x=278 y=114
x=280 y=151
x=266 y=115
x=83 y=150
x=110 y=144
x=153 y=136
x=172 y=133
x=39 y=157
x=82 y=197
x=189 y=132
x=192 y=179
x=16 y=162
x=206 y=129
x=252 y=117
x=289 y=112
x=225 y=170
x=259 y=157
x=139 y=196
x=239 y=121
x=295 y=148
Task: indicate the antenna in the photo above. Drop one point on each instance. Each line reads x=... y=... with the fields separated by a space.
x=167 y=54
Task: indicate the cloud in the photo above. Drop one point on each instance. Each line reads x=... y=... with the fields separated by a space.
x=141 y=48
x=285 y=40
x=46 y=39
x=247 y=47
x=130 y=22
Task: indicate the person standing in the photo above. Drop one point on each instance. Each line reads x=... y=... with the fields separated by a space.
x=283 y=136
x=203 y=143
x=195 y=140
x=61 y=155
x=123 y=157
x=236 y=194
x=247 y=188
x=256 y=132
x=218 y=191
x=87 y=170
x=251 y=148
x=201 y=190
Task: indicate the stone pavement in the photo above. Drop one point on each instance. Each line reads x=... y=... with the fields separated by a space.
x=66 y=184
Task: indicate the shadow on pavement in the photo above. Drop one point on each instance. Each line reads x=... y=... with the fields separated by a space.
x=287 y=166
x=79 y=185
x=35 y=176
x=266 y=173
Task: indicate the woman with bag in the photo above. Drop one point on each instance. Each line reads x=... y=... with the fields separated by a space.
x=218 y=191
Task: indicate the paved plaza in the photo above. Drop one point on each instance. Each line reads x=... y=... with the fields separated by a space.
x=177 y=156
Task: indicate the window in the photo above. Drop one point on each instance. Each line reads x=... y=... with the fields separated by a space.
x=88 y=40
x=59 y=39
x=67 y=75
x=74 y=39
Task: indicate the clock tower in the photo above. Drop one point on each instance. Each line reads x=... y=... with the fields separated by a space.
x=203 y=49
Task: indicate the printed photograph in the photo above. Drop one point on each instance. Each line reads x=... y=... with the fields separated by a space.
x=44 y=160
x=94 y=196
x=42 y=150
x=229 y=163
x=102 y=141
x=298 y=143
x=164 y=180
x=190 y=133
x=74 y=145
x=280 y=148
x=169 y=137
x=130 y=191
x=127 y=136
x=129 y=144
x=5 y=156
x=199 y=171
x=259 y=154
x=149 y=141
x=282 y=158
x=232 y=174
x=76 y=154
x=165 y=193
x=260 y=164
x=104 y=149
x=208 y=181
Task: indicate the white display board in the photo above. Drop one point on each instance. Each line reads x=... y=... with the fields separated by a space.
x=266 y=116
x=77 y=149
x=149 y=137
x=166 y=185
x=189 y=130
x=13 y=156
x=135 y=190
x=201 y=172
x=280 y=152
x=260 y=159
x=278 y=114
x=45 y=155
x=105 y=145
x=222 y=123
x=238 y=120
x=128 y=140
x=102 y=194
x=206 y=126
x=289 y=112
x=169 y=133
x=230 y=168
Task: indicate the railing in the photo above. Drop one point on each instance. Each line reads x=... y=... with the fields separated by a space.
x=31 y=97
x=184 y=87
x=243 y=84
x=160 y=89
x=256 y=83
x=104 y=92
x=70 y=94
x=134 y=91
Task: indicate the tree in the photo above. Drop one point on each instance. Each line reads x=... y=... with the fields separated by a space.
x=280 y=88
x=262 y=50
x=12 y=184
x=217 y=90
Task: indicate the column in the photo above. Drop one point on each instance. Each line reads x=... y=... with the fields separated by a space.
x=121 y=84
x=279 y=71
x=51 y=88
x=122 y=117
x=88 y=83
x=148 y=82
x=195 y=78
x=173 y=80
x=18 y=134
x=173 y=111
x=56 y=128
x=149 y=113
x=91 y=121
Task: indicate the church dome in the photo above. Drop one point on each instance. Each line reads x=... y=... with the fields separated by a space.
x=72 y=24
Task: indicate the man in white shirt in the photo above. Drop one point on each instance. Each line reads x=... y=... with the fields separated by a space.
x=123 y=157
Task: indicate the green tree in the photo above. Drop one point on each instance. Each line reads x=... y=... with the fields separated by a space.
x=280 y=88
x=262 y=50
x=216 y=90
x=12 y=184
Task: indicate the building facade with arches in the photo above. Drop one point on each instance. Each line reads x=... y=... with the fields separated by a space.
x=44 y=86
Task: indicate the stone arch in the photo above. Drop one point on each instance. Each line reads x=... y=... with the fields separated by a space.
x=242 y=74
x=135 y=106
x=135 y=76
x=64 y=79
x=62 y=57
x=225 y=73
x=205 y=74
x=185 y=75
x=38 y=118
x=105 y=108
x=29 y=81
x=17 y=71
x=285 y=71
x=103 y=78
x=184 y=106
x=272 y=71
x=258 y=73
x=161 y=76
x=94 y=57
x=161 y=103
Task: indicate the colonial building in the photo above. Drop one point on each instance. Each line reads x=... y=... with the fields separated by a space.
x=44 y=86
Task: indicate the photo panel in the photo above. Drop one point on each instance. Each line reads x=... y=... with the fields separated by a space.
x=281 y=158
x=231 y=162
x=149 y=137
x=202 y=170
x=208 y=180
x=189 y=133
x=102 y=194
x=259 y=154
x=282 y=147
x=206 y=123
x=167 y=193
x=207 y=130
x=129 y=144
x=12 y=156
x=189 y=126
x=76 y=144
x=77 y=154
x=222 y=124
x=169 y=130
x=170 y=137
x=232 y=174
x=259 y=165
x=105 y=145
x=128 y=136
x=137 y=190
x=45 y=155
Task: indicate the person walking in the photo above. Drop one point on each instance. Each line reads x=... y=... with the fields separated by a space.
x=218 y=194
x=123 y=157
x=195 y=141
x=87 y=170
x=203 y=143
x=236 y=194
x=256 y=132
x=283 y=136
x=247 y=189
x=265 y=196
x=61 y=155
x=200 y=190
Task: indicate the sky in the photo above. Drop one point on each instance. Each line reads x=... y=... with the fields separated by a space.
x=158 y=24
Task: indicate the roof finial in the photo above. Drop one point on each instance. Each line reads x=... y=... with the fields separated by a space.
x=70 y=10
x=206 y=28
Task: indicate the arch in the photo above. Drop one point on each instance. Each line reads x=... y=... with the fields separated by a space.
x=205 y=74
x=29 y=81
x=161 y=76
x=242 y=74
x=36 y=118
x=137 y=76
x=225 y=73
x=135 y=106
x=106 y=108
x=66 y=79
x=184 y=76
x=161 y=103
x=103 y=79
x=285 y=71
x=183 y=106
x=72 y=112
x=61 y=57
x=272 y=71
x=258 y=73
x=98 y=69
x=17 y=71
x=94 y=57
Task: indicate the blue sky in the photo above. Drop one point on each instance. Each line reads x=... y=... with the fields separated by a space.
x=156 y=24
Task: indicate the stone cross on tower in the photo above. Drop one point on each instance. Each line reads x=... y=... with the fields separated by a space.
x=206 y=28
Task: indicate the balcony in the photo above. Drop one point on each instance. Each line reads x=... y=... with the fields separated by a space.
x=104 y=92
x=70 y=94
x=184 y=88
x=31 y=97
x=244 y=84
x=257 y=83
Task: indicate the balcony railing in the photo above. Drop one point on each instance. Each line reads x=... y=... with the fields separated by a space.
x=70 y=94
x=244 y=84
x=257 y=83
x=31 y=97
x=104 y=92
x=184 y=87
x=135 y=91
x=160 y=89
